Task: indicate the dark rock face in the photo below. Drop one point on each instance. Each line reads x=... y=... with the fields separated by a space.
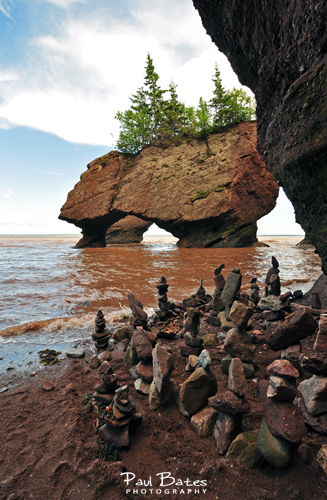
x=207 y=194
x=278 y=49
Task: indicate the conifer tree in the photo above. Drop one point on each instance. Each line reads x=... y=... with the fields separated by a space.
x=174 y=117
x=154 y=95
x=218 y=101
x=203 y=119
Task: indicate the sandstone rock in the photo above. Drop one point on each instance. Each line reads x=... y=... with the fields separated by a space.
x=247 y=367
x=142 y=346
x=124 y=332
x=314 y=392
x=273 y=315
x=241 y=442
x=297 y=326
x=192 y=363
x=275 y=450
x=290 y=97
x=104 y=356
x=322 y=464
x=140 y=314
x=283 y=368
x=292 y=353
x=271 y=303
x=193 y=316
x=284 y=420
x=162 y=368
x=210 y=340
x=128 y=230
x=131 y=357
x=228 y=402
x=220 y=281
x=196 y=390
x=110 y=190
x=48 y=385
x=156 y=399
x=238 y=344
x=304 y=453
x=226 y=428
x=236 y=377
x=314 y=363
x=204 y=421
x=142 y=387
x=94 y=361
x=281 y=389
x=226 y=324
x=217 y=303
x=145 y=371
x=186 y=350
x=134 y=301
x=240 y=314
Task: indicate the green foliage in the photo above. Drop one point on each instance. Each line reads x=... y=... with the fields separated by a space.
x=199 y=194
x=153 y=118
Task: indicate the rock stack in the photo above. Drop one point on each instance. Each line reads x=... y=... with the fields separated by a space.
x=238 y=344
x=162 y=389
x=231 y=406
x=313 y=401
x=105 y=391
x=219 y=280
x=282 y=427
x=139 y=317
x=229 y=293
x=121 y=419
x=141 y=354
x=192 y=340
x=272 y=280
x=254 y=296
x=163 y=312
x=297 y=326
x=101 y=335
x=193 y=394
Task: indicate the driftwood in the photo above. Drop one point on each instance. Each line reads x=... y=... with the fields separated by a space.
x=314 y=312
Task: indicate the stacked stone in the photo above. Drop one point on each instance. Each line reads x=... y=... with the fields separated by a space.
x=254 y=296
x=139 y=354
x=193 y=341
x=282 y=427
x=296 y=327
x=117 y=427
x=313 y=403
x=231 y=405
x=162 y=389
x=219 y=280
x=238 y=343
x=193 y=394
x=101 y=336
x=229 y=293
x=105 y=391
x=139 y=317
x=272 y=280
x=163 y=312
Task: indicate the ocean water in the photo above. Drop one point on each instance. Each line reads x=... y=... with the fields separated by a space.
x=51 y=292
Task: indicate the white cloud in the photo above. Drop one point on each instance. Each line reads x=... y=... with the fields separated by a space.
x=75 y=81
x=281 y=220
x=7 y=194
x=64 y=4
x=5 y=8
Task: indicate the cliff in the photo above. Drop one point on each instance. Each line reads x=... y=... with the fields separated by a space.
x=278 y=49
x=207 y=194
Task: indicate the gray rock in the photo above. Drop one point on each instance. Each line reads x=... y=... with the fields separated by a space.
x=204 y=359
x=142 y=387
x=196 y=390
x=162 y=368
x=226 y=428
x=192 y=341
x=247 y=367
x=232 y=287
x=314 y=392
x=297 y=326
x=156 y=399
x=272 y=303
x=76 y=354
x=204 y=421
x=226 y=324
x=276 y=451
x=217 y=303
x=236 y=378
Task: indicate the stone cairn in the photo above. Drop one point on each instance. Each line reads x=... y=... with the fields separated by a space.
x=121 y=419
x=313 y=401
x=231 y=406
x=105 y=391
x=138 y=317
x=272 y=280
x=193 y=341
x=254 y=296
x=163 y=312
x=101 y=336
x=217 y=303
x=193 y=394
x=162 y=388
x=282 y=427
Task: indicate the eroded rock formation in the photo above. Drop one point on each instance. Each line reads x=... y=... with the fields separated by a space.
x=278 y=49
x=207 y=194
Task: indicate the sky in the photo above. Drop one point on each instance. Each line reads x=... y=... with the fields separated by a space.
x=66 y=68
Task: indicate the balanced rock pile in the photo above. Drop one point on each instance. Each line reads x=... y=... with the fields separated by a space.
x=118 y=425
x=313 y=401
x=139 y=317
x=101 y=336
x=162 y=389
x=231 y=405
x=105 y=391
x=272 y=280
x=282 y=427
x=163 y=303
x=192 y=339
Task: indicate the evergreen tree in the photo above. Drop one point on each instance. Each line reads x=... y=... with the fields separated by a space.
x=238 y=106
x=203 y=119
x=174 y=117
x=154 y=94
x=218 y=101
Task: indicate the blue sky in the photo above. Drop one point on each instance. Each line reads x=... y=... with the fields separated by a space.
x=66 y=68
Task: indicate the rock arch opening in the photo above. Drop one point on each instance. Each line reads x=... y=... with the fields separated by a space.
x=281 y=220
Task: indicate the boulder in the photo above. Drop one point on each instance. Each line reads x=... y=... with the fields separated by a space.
x=238 y=344
x=196 y=390
x=275 y=450
x=247 y=367
x=142 y=387
x=142 y=346
x=232 y=287
x=244 y=449
x=226 y=428
x=236 y=378
x=156 y=399
x=283 y=368
x=297 y=326
x=134 y=301
x=204 y=421
x=144 y=371
x=201 y=208
x=314 y=393
x=228 y=402
x=240 y=314
x=284 y=420
x=162 y=368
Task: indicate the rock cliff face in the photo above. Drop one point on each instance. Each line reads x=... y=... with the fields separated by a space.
x=206 y=194
x=278 y=49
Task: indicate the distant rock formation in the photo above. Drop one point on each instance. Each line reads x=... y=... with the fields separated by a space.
x=206 y=193
x=279 y=50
